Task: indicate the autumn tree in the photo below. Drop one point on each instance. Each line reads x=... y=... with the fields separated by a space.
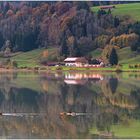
x=101 y=41
x=125 y=40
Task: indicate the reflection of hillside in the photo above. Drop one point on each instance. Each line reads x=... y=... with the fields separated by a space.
x=117 y=99
x=103 y=99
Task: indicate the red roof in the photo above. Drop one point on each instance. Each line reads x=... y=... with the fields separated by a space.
x=107 y=7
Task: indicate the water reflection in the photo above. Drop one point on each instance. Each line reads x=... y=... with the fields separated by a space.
x=112 y=101
x=81 y=78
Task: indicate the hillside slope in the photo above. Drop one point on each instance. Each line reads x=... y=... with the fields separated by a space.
x=32 y=58
x=131 y=10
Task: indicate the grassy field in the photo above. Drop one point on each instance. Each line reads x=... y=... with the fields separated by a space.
x=96 y=53
x=125 y=55
x=128 y=131
x=132 y=10
x=31 y=58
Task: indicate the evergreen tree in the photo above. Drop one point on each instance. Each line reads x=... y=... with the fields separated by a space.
x=101 y=12
x=75 y=51
x=82 y=5
x=64 y=47
x=1 y=40
x=116 y=22
x=113 y=83
x=113 y=58
x=109 y=11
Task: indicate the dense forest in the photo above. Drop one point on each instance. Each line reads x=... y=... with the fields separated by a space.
x=69 y=26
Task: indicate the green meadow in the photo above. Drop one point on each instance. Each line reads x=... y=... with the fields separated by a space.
x=131 y=10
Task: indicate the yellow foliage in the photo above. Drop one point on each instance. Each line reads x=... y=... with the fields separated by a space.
x=70 y=40
x=125 y=40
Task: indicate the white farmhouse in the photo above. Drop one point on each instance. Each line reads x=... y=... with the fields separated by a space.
x=75 y=61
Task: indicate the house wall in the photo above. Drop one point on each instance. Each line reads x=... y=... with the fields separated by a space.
x=76 y=64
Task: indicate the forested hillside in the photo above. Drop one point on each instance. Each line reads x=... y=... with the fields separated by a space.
x=71 y=27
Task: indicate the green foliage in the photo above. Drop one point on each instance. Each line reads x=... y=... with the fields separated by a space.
x=64 y=51
x=101 y=12
x=101 y=41
x=14 y=64
x=113 y=58
x=107 y=52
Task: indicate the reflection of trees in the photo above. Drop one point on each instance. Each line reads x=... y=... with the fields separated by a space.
x=116 y=98
x=113 y=82
x=115 y=106
x=106 y=103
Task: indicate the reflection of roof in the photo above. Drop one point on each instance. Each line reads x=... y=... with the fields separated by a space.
x=76 y=76
x=75 y=82
x=71 y=59
x=75 y=59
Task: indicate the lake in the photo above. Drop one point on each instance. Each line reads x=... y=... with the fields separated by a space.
x=70 y=105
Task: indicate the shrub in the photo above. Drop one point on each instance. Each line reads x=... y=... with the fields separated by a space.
x=59 y=68
x=118 y=69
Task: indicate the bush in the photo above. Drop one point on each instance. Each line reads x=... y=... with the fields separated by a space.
x=118 y=69
x=14 y=64
x=59 y=68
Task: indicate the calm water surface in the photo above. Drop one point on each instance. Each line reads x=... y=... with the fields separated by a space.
x=108 y=105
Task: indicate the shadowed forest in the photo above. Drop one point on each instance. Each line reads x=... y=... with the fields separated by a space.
x=66 y=29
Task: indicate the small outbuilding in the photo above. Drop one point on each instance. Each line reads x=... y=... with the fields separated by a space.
x=75 y=61
x=107 y=7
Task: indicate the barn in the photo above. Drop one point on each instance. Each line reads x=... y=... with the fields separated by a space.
x=107 y=7
x=75 y=61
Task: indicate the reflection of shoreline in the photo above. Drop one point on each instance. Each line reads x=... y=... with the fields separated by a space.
x=81 y=78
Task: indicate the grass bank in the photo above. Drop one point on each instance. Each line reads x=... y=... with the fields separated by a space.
x=125 y=68
x=132 y=10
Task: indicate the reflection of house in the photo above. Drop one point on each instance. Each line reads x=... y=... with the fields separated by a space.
x=76 y=76
x=75 y=61
x=81 y=78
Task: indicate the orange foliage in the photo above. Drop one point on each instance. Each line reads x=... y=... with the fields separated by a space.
x=45 y=53
x=18 y=14
x=44 y=7
x=9 y=13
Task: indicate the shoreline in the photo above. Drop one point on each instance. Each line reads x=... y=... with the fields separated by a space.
x=67 y=69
